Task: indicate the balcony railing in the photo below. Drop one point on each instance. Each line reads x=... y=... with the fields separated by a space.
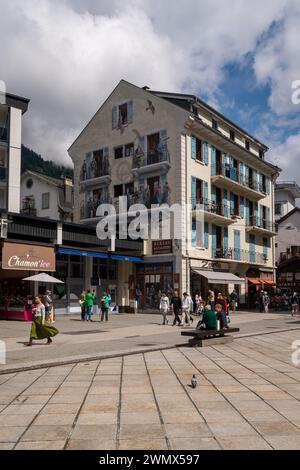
x=3 y=134
x=261 y=223
x=235 y=254
x=211 y=206
x=295 y=251
x=151 y=158
x=88 y=209
x=235 y=175
x=95 y=170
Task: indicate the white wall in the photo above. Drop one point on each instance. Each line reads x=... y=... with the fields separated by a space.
x=39 y=187
x=14 y=170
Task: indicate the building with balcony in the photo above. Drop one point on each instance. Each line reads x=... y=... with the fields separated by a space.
x=46 y=197
x=168 y=148
x=11 y=111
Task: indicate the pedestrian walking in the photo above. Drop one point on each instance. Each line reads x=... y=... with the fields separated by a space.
x=82 y=305
x=234 y=300
x=105 y=306
x=95 y=306
x=89 y=303
x=187 y=307
x=164 y=306
x=176 y=304
x=295 y=304
x=48 y=302
x=138 y=297
x=40 y=328
x=266 y=302
x=211 y=299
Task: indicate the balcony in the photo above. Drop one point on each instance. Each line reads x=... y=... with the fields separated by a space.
x=89 y=208
x=214 y=212
x=260 y=226
x=293 y=252
x=28 y=207
x=157 y=161
x=230 y=178
x=3 y=134
x=241 y=256
x=95 y=173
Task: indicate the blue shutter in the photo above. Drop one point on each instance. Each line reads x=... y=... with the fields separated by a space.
x=247 y=175
x=114 y=117
x=247 y=212
x=232 y=204
x=205 y=193
x=213 y=194
x=205 y=149
x=261 y=222
x=260 y=176
x=252 y=256
x=225 y=237
x=237 y=245
x=206 y=235
x=224 y=158
x=214 y=240
x=268 y=185
x=130 y=112
x=194 y=192
x=225 y=203
x=213 y=162
x=241 y=175
x=265 y=247
x=269 y=218
x=194 y=233
x=242 y=207
x=256 y=214
x=194 y=147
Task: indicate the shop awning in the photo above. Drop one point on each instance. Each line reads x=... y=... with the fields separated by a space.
x=98 y=254
x=255 y=282
x=215 y=277
x=268 y=283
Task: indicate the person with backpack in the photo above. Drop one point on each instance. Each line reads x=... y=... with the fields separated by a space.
x=105 y=306
x=164 y=307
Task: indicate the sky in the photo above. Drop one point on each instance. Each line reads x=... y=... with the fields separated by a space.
x=241 y=57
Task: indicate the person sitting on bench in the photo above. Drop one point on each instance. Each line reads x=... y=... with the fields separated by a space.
x=209 y=320
x=221 y=315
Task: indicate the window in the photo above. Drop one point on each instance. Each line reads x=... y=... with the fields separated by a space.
x=278 y=209
x=118 y=152
x=45 y=200
x=261 y=154
x=214 y=124
x=232 y=135
x=29 y=183
x=123 y=114
x=129 y=150
x=118 y=190
x=247 y=144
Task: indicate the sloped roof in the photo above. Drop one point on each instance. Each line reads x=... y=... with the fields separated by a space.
x=47 y=179
x=288 y=215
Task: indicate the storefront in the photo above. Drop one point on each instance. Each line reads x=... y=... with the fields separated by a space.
x=258 y=280
x=203 y=280
x=19 y=261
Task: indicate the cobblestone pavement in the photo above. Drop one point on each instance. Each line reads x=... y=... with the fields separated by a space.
x=122 y=334
x=248 y=397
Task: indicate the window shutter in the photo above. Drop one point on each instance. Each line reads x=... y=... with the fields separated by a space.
x=247 y=175
x=260 y=176
x=242 y=207
x=232 y=204
x=214 y=240
x=130 y=112
x=255 y=180
x=261 y=222
x=268 y=218
x=205 y=146
x=194 y=233
x=237 y=245
x=241 y=175
x=252 y=248
x=193 y=143
x=247 y=212
x=225 y=203
x=256 y=213
x=265 y=247
x=224 y=158
x=114 y=117
x=194 y=193
x=205 y=192
x=225 y=234
x=268 y=184
x=206 y=235
x=213 y=162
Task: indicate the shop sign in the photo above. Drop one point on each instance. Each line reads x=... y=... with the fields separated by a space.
x=162 y=247
x=21 y=257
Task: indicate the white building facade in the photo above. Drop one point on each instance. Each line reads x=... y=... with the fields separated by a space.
x=163 y=148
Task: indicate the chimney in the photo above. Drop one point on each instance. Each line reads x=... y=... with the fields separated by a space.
x=68 y=190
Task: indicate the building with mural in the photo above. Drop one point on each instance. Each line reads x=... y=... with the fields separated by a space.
x=165 y=148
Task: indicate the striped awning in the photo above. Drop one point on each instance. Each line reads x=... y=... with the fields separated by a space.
x=215 y=277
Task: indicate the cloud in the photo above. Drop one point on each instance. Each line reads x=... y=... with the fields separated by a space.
x=68 y=55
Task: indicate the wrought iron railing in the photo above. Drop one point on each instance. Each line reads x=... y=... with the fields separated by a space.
x=95 y=170
x=237 y=176
x=235 y=254
x=261 y=223
x=211 y=206
x=151 y=158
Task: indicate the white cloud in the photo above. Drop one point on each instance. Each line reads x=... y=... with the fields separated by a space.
x=287 y=156
x=68 y=55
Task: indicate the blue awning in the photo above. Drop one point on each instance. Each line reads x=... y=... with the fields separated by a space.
x=98 y=254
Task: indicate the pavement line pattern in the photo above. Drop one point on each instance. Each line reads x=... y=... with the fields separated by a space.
x=248 y=397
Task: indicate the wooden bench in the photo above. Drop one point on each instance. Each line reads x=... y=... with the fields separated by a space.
x=203 y=338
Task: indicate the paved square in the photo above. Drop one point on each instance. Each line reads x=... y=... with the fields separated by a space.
x=248 y=397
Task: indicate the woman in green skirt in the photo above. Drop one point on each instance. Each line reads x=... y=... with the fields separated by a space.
x=40 y=329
